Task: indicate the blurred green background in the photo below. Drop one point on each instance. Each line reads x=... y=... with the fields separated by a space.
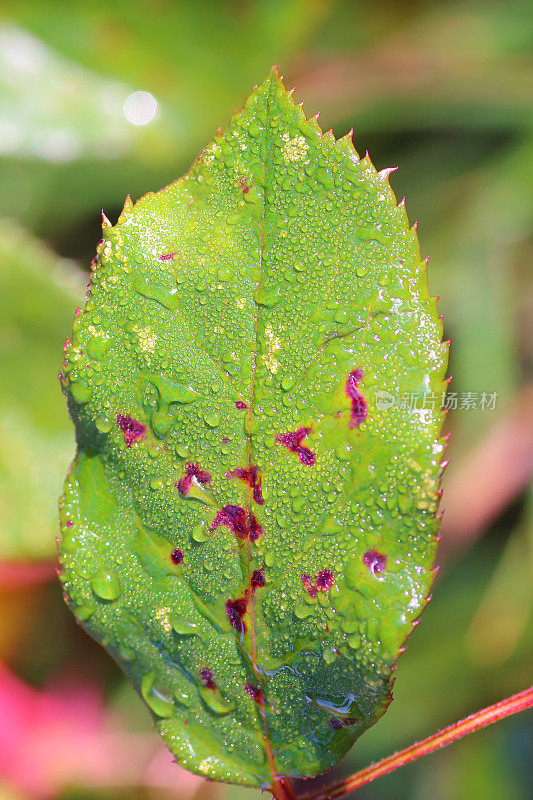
x=98 y=100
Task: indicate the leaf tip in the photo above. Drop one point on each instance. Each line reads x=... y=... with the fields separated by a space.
x=127 y=208
x=384 y=173
x=275 y=75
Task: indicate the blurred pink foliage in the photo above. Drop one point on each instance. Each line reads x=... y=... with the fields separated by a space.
x=63 y=735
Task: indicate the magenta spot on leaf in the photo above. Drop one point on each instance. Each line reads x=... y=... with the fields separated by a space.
x=255 y=529
x=207 y=676
x=244 y=186
x=131 y=428
x=235 y=610
x=306 y=456
x=166 y=256
x=176 y=556
x=254 y=692
x=293 y=439
x=324 y=580
x=358 y=401
x=306 y=580
x=374 y=561
x=235 y=519
x=250 y=476
x=335 y=723
x=192 y=471
x=241 y=405
x=241 y=523
x=293 y=442
x=258 y=578
x=353 y=380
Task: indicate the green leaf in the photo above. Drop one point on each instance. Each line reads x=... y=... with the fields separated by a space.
x=39 y=294
x=227 y=384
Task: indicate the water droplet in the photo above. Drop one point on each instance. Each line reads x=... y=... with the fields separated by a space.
x=81 y=392
x=268 y=296
x=165 y=296
x=160 y=703
x=106 y=585
x=214 y=701
x=84 y=612
x=343 y=451
x=303 y=611
x=127 y=654
x=287 y=382
x=200 y=532
x=224 y=274
x=183 y=627
x=170 y=391
x=103 y=423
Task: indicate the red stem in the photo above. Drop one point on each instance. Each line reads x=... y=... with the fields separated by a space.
x=282 y=790
x=512 y=705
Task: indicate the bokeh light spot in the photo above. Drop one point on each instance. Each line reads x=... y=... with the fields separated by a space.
x=140 y=108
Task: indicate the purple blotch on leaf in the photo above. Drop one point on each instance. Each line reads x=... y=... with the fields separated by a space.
x=166 y=256
x=243 y=524
x=241 y=405
x=306 y=580
x=323 y=582
x=192 y=471
x=374 y=561
x=358 y=401
x=235 y=519
x=207 y=676
x=235 y=610
x=251 y=476
x=255 y=529
x=131 y=428
x=293 y=442
x=258 y=578
x=176 y=556
x=254 y=692
x=335 y=723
